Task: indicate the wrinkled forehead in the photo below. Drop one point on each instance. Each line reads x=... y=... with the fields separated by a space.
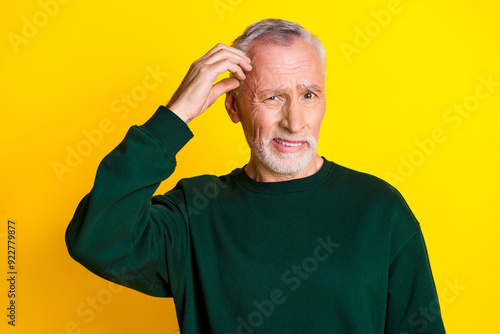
x=277 y=66
x=265 y=52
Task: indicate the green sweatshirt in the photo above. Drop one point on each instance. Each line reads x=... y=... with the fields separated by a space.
x=335 y=252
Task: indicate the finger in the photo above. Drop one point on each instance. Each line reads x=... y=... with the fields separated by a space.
x=224 y=86
x=211 y=72
x=235 y=58
x=237 y=70
x=229 y=61
x=224 y=51
x=215 y=49
x=224 y=55
x=221 y=46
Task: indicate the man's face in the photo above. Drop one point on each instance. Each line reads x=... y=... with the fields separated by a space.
x=282 y=105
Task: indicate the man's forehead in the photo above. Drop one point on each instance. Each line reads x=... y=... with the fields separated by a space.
x=270 y=50
x=283 y=68
x=270 y=59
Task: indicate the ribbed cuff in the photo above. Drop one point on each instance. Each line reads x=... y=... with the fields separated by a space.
x=168 y=129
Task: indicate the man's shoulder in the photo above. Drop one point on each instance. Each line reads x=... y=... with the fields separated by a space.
x=370 y=191
x=365 y=187
x=199 y=188
x=358 y=180
x=219 y=177
x=207 y=182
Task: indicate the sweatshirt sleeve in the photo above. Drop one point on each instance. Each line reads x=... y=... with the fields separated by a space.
x=118 y=231
x=412 y=301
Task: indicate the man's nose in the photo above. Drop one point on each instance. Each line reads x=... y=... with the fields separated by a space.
x=293 y=116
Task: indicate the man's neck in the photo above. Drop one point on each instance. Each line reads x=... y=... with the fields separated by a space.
x=257 y=171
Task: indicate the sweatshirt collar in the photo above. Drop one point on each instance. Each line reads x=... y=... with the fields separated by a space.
x=285 y=186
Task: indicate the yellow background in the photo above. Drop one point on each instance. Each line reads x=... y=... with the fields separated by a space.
x=82 y=57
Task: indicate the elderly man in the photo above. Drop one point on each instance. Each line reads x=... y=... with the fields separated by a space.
x=289 y=243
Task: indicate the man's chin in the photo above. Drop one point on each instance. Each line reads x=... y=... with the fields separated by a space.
x=288 y=163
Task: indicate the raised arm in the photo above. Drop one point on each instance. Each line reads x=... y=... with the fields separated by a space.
x=119 y=231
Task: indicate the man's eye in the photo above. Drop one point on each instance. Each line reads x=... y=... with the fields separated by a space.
x=272 y=98
x=309 y=95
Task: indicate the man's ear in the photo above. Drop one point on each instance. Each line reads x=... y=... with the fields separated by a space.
x=232 y=107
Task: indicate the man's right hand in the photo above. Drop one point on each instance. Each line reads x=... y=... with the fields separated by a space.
x=197 y=91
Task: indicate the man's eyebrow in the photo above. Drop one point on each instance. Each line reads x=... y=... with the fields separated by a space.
x=278 y=91
x=311 y=87
x=271 y=92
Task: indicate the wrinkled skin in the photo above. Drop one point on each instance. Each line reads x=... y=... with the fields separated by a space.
x=281 y=108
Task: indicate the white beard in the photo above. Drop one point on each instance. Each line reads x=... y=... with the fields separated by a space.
x=279 y=162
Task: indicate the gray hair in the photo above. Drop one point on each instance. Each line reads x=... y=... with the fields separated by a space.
x=280 y=32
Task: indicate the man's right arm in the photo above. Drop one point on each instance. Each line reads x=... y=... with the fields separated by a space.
x=118 y=231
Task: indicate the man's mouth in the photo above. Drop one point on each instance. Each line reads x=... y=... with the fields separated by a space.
x=288 y=146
